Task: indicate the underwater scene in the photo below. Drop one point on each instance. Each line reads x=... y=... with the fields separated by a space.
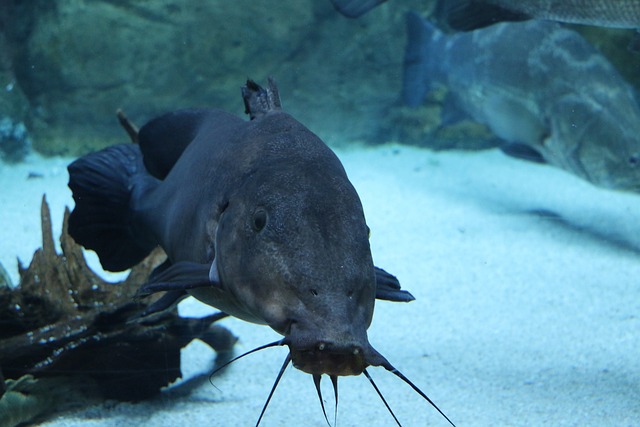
x=320 y=212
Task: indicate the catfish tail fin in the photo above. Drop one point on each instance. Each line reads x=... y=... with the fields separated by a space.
x=102 y=220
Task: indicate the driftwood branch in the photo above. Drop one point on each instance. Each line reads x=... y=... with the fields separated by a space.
x=64 y=328
x=129 y=127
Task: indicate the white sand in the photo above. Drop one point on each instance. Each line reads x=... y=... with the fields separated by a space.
x=519 y=320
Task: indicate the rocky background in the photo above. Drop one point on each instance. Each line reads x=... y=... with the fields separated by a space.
x=67 y=65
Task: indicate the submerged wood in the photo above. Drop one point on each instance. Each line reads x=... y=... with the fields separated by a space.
x=64 y=326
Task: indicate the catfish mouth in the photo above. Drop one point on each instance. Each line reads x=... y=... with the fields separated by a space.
x=325 y=358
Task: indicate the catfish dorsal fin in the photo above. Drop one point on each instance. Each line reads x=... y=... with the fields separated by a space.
x=258 y=101
x=163 y=139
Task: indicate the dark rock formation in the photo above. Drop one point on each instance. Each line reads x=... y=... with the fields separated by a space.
x=68 y=337
x=79 y=61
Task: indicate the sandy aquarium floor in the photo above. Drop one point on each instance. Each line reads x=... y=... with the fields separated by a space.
x=527 y=314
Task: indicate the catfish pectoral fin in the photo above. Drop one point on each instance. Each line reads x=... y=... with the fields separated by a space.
x=152 y=288
x=182 y=272
x=180 y=276
x=167 y=301
x=388 y=287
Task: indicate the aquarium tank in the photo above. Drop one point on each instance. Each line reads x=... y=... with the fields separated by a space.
x=319 y=212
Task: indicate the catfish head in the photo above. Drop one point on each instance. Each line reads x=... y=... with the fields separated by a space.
x=292 y=248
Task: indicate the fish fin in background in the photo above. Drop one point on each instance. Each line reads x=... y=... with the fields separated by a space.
x=102 y=183
x=522 y=152
x=468 y=15
x=163 y=139
x=452 y=112
x=355 y=8
x=634 y=43
x=388 y=287
x=415 y=86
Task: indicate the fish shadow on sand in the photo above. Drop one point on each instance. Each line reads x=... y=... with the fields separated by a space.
x=599 y=236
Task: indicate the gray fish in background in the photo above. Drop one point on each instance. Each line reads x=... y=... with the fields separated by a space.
x=542 y=88
x=467 y=15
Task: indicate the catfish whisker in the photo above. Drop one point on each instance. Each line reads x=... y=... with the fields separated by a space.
x=275 y=384
x=334 y=381
x=400 y=375
x=316 y=382
x=366 y=374
x=262 y=347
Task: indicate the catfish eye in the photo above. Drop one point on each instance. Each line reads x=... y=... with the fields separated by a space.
x=634 y=160
x=259 y=219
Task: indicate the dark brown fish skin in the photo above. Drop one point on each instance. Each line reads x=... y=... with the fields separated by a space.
x=264 y=205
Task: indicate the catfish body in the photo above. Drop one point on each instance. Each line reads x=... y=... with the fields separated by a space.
x=257 y=218
x=540 y=87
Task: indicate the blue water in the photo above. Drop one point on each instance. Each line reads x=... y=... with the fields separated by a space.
x=525 y=276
